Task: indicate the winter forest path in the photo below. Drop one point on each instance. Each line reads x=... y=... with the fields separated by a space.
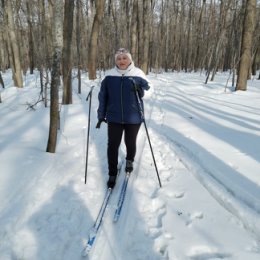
x=196 y=195
x=176 y=221
x=46 y=209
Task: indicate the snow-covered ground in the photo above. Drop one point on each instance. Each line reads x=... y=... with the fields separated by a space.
x=206 y=143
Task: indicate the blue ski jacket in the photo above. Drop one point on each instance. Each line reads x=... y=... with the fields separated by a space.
x=117 y=98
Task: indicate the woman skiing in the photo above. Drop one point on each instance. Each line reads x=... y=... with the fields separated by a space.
x=118 y=107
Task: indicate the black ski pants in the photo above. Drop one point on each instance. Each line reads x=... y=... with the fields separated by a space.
x=115 y=132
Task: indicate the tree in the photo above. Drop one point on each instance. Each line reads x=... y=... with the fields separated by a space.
x=134 y=30
x=167 y=34
x=146 y=35
x=3 y=85
x=199 y=38
x=78 y=43
x=12 y=42
x=66 y=53
x=92 y=64
x=256 y=61
x=219 y=40
x=246 y=45
x=30 y=37
x=1 y=81
x=44 y=43
x=55 y=74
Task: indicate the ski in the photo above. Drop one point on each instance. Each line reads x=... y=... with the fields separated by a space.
x=121 y=197
x=94 y=230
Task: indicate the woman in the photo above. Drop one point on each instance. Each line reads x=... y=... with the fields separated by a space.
x=118 y=107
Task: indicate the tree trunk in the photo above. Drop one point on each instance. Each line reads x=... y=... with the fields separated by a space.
x=1 y=80
x=199 y=37
x=4 y=57
x=66 y=53
x=187 y=57
x=92 y=63
x=146 y=23
x=30 y=37
x=133 y=30
x=256 y=61
x=55 y=74
x=140 y=33
x=3 y=85
x=246 y=46
x=15 y=55
x=78 y=43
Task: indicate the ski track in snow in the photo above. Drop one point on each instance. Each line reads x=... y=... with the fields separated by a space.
x=151 y=202
x=146 y=225
x=160 y=201
x=144 y=230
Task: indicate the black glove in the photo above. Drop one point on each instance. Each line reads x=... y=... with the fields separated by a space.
x=138 y=89
x=100 y=121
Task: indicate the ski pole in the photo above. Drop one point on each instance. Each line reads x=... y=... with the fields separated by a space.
x=143 y=118
x=89 y=113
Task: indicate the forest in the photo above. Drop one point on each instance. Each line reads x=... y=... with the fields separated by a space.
x=64 y=36
x=165 y=35
x=202 y=58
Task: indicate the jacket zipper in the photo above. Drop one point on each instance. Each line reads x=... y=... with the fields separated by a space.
x=122 y=109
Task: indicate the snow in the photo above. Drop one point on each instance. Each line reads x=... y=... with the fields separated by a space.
x=206 y=144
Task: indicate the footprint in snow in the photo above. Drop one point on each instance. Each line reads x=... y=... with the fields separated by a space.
x=165 y=175
x=196 y=215
x=206 y=253
x=161 y=246
x=189 y=218
x=158 y=115
x=179 y=194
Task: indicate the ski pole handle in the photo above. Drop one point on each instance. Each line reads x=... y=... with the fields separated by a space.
x=90 y=93
x=89 y=97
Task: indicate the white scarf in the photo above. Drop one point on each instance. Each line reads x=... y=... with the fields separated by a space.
x=123 y=72
x=130 y=71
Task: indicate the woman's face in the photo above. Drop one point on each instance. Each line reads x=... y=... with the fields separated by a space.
x=122 y=61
